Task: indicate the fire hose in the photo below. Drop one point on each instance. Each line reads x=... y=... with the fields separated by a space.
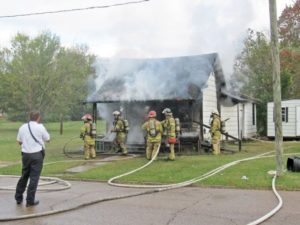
x=50 y=180
x=159 y=188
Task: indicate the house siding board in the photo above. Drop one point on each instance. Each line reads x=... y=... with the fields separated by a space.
x=209 y=99
x=288 y=128
x=231 y=124
x=235 y=126
x=250 y=129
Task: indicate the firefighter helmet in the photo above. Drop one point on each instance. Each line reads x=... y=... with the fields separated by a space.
x=152 y=114
x=214 y=111
x=87 y=117
x=166 y=111
x=116 y=113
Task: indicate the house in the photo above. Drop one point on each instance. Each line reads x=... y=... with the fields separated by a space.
x=240 y=116
x=290 y=110
x=191 y=86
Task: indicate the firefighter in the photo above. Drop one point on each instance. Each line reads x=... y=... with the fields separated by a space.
x=86 y=133
x=119 y=127
x=154 y=133
x=169 y=132
x=215 y=132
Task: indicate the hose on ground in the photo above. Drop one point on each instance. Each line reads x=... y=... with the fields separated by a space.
x=50 y=180
x=158 y=188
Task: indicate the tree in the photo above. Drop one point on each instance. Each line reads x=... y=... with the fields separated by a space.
x=252 y=71
x=289 y=31
x=3 y=83
x=40 y=74
x=253 y=74
x=289 y=26
x=290 y=69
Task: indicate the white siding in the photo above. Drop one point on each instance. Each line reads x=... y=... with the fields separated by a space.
x=249 y=128
x=240 y=123
x=288 y=128
x=270 y=123
x=231 y=112
x=231 y=124
x=209 y=99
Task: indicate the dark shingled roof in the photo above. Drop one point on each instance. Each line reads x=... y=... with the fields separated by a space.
x=156 y=78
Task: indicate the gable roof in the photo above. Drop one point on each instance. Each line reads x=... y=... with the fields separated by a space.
x=156 y=78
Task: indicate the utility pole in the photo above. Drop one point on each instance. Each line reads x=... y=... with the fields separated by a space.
x=276 y=87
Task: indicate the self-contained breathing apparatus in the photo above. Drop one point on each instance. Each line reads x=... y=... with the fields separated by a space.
x=93 y=130
x=126 y=125
x=177 y=126
x=125 y=122
x=152 y=128
x=173 y=140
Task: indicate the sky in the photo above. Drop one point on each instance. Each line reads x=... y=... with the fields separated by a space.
x=155 y=28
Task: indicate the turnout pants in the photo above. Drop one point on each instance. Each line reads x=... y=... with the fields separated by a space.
x=216 y=146
x=89 y=151
x=32 y=165
x=172 y=152
x=152 y=148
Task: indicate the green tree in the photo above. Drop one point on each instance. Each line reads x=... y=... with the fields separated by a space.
x=290 y=69
x=3 y=83
x=253 y=72
x=40 y=74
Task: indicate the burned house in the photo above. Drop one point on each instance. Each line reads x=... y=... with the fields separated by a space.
x=191 y=86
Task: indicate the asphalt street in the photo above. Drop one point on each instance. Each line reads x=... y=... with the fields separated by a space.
x=188 y=206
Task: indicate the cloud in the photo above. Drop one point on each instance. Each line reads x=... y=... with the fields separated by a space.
x=157 y=28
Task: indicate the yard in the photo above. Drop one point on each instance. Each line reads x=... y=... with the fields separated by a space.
x=254 y=172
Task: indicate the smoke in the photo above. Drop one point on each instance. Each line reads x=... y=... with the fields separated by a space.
x=153 y=79
x=204 y=26
x=136 y=86
x=221 y=26
x=135 y=113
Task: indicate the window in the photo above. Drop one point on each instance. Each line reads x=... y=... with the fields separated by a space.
x=253 y=114
x=285 y=114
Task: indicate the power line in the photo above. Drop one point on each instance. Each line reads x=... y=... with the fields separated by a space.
x=72 y=10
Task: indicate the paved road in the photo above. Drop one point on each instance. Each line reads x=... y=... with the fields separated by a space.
x=186 y=206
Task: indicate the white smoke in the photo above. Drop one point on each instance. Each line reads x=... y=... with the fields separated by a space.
x=153 y=79
x=141 y=85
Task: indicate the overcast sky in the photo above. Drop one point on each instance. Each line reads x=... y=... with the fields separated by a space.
x=156 y=28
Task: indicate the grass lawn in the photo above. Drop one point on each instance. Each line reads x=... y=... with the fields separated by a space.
x=161 y=171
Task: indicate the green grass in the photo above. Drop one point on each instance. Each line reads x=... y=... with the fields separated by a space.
x=161 y=171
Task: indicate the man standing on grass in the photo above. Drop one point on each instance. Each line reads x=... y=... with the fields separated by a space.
x=31 y=137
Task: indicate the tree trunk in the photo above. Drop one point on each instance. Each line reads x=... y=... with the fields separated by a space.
x=61 y=130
